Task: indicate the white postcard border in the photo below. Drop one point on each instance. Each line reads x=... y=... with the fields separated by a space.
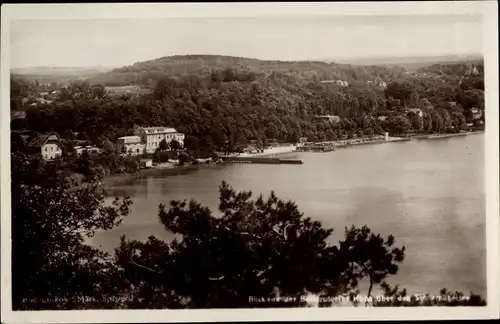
x=488 y=9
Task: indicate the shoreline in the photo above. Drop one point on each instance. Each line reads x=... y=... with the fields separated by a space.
x=438 y=136
x=120 y=179
x=123 y=178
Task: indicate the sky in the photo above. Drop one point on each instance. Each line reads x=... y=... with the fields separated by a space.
x=119 y=42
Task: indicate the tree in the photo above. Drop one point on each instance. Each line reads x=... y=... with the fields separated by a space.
x=416 y=121
x=163 y=146
x=402 y=90
x=262 y=247
x=369 y=255
x=52 y=268
x=175 y=145
x=18 y=144
x=399 y=125
x=98 y=91
x=192 y=143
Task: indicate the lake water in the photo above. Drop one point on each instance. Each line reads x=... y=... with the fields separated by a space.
x=428 y=193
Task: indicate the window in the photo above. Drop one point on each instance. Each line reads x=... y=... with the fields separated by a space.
x=137 y=150
x=52 y=148
x=46 y=149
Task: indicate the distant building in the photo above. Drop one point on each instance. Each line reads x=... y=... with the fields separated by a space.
x=382 y=118
x=338 y=82
x=44 y=101
x=151 y=137
x=48 y=145
x=472 y=69
x=331 y=118
x=476 y=113
x=146 y=163
x=130 y=145
x=89 y=149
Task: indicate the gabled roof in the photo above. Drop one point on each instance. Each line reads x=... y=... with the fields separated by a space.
x=160 y=129
x=40 y=140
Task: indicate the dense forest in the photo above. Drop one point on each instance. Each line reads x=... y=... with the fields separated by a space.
x=217 y=99
x=149 y=72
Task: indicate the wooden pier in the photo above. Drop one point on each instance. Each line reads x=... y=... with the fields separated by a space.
x=317 y=148
x=260 y=160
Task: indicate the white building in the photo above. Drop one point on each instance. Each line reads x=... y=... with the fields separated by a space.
x=152 y=136
x=146 y=163
x=330 y=118
x=89 y=149
x=48 y=145
x=338 y=82
x=130 y=145
x=476 y=113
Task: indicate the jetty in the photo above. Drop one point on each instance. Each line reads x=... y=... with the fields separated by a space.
x=260 y=160
x=317 y=147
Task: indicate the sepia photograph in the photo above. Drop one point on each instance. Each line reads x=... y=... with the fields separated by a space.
x=340 y=159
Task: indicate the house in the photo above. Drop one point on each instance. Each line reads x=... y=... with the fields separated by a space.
x=44 y=101
x=130 y=145
x=89 y=149
x=330 y=118
x=382 y=118
x=146 y=163
x=48 y=145
x=151 y=137
x=338 y=82
x=476 y=113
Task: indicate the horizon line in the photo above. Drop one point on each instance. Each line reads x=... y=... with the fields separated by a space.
x=324 y=59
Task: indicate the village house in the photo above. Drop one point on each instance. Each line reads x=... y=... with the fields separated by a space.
x=151 y=137
x=338 y=82
x=146 y=163
x=330 y=118
x=476 y=113
x=89 y=149
x=381 y=84
x=130 y=145
x=49 y=146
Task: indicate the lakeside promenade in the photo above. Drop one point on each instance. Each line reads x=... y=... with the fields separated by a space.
x=170 y=169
